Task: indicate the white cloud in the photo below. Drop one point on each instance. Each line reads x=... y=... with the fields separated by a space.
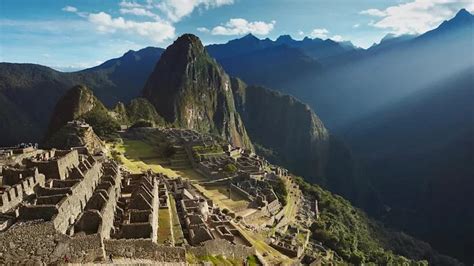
x=138 y=11
x=177 y=9
x=131 y=4
x=417 y=16
x=300 y=32
x=355 y=26
x=319 y=33
x=337 y=38
x=157 y=31
x=203 y=29
x=373 y=12
x=240 y=26
x=69 y=9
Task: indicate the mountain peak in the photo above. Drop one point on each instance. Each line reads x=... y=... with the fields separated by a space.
x=187 y=44
x=284 y=38
x=76 y=102
x=249 y=36
x=188 y=88
x=463 y=13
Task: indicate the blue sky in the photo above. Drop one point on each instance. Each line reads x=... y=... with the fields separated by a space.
x=70 y=35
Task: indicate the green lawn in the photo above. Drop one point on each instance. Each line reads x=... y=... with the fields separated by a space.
x=140 y=156
x=164 y=226
x=177 y=230
x=220 y=194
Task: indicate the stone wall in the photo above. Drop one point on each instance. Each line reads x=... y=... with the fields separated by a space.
x=241 y=192
x=143 y=249
x=86 y=248
x=37 y=242
x=73 y=205
x=57 y=167
x=14 y=195
x=33 y=242
x=222 y=247
x=101 y=206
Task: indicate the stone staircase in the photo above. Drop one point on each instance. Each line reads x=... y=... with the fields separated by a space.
x=180 y=160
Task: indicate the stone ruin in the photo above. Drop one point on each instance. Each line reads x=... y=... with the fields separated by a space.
x=260 y=194
x=77 y=134
x=187 y=137
x=69 y=205
x=201 y=220
x=137 y=209
x=79 y=205
x=288 y=243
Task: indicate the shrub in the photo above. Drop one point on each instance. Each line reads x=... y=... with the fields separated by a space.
x=230 y=168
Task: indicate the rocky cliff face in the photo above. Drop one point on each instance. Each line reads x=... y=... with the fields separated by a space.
x=189 y=89
x=75 y=104
x=289 y=133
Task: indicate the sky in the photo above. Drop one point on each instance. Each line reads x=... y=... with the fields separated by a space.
x=68 y=35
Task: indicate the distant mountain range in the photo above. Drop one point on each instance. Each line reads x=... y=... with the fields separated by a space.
x=402 y=106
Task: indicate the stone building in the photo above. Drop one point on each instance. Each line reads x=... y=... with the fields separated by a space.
x=259 y=193
x=136 y=214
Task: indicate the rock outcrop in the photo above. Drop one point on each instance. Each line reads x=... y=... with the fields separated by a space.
x=78 y=102
x=191 y=90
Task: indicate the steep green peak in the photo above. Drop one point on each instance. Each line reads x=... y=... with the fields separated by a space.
x=74 y=104
x=76 y=101
x=185 y=49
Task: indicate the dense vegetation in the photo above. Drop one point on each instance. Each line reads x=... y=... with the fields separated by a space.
x=358 y=239
x=104 y=125
x=141 y=109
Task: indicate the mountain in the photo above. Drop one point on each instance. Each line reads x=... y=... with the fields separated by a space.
x=31 y=91
x=127 y=74
x=419 y=156
x=79 y=103
x=313 y=48
x=317 y=48
x=248 y=43
x=359 y=85
x=298 y=139
x=263 y=67
x=391 y=40
x=190 y=89
x=347 y=85
x=275 y=63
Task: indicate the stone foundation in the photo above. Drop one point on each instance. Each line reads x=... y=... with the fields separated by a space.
x=143 y=249
x=222 y=247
